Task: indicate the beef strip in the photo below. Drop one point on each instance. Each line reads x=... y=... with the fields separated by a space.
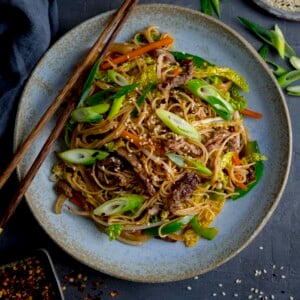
x=217 y=139
x=138 y=169
x=180 y=144
x=183 y=189
x=63 y=187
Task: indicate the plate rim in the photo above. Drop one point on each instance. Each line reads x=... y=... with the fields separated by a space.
x=276 y=200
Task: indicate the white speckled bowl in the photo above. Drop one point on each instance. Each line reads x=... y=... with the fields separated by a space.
x=239 y=222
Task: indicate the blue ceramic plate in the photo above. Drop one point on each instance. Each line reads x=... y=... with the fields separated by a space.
x=239 y=222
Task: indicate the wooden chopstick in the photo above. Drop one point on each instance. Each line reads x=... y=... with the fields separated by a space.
x=80 y=73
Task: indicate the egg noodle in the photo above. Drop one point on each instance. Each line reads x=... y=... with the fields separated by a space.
x=170 y=132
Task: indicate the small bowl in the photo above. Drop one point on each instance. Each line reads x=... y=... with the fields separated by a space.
x=29 y=276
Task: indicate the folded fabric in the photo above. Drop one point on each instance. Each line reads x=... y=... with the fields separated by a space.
x=27 y=28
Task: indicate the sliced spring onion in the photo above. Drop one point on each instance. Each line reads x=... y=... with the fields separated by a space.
x=116 y=106
x=277 y=69
x=117 y=78
x=82 y=156
x=295 y=62
x=211 y=95
x=130 y=202
x=189 y=163
x=293 y=90
x=90 y=113
x=263 y=51
x=288 y=78
x=177 y=124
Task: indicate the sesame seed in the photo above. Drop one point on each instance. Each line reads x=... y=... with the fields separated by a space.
x=220 y=284
x=237 y=281
x=223 y=293
x=196 y=277
x=282 y=267
x=189 y=288
x=235 y=295
x=291 y=298
x=283 y=276
x=261 y=248
x=256 y=291
x=214 y=294
x=274 y=266
x=265 y=271
x=252 y=289
x=261 y=293
x=272 y=297
x=250 y=297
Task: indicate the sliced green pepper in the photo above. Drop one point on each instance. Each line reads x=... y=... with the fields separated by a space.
x=169 y=227
x=183 y=162
x=177 y=124
x=130 y=202
x=82 y=156
x=263 y=51
x=277 y=69
x=251 y=148
x=210 y=94
x=90 y=113
x=293 y=90
x=207 y=233
x=198 y=61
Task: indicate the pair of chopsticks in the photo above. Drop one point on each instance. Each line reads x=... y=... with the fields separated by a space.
x=103 y=42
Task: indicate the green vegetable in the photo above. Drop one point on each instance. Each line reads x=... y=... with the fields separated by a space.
x=198 y=61
x=169 y=227
x=129 y=202
x=207 y=233
x=89 y=82
x=295 y=62
x=116 y=106
x=110 y=94
x=143 y=96
x=82 y=156
x=288 y=78
x=250 y=149
x=236 y=100
x=293 y=90
x=223 y=72
x=277 y=69
x=211 y=95
x=177 y=124
x=263 y=51
x=117 y=78
x=90 y=113
x=210 y=6
x=114 y=231
x=184 y=162
x=274 y=37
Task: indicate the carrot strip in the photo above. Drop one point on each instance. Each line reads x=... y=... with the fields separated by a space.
x=251 y=113
x=137 y=52
x=133 y=138
x=241 y=185
x=235 y=159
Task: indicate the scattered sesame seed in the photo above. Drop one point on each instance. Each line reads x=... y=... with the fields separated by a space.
x=189 y=288
x=261 y=293
x=220 y=284
x=256 y=291
x=237 y=281
x=265 y=271
x=196 y=277
x=272 y=297
x=283 y=276
x=252 y=289
x=250 y=297
x=274 y=266
x=261 y=248
x=214 y=294
x=282 y=267
x=223 y=293
x=291 y=298
x=235 y=295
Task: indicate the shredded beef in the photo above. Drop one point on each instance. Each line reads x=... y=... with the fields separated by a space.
x=183 y=189
x=138 y=169
x=217 y=139
x=63 y=187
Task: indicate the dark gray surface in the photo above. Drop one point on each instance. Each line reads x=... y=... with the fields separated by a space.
x=273 y=256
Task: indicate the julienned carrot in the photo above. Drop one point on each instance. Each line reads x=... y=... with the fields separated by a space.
x=241 y=185
x=137 y=52
x=235 y=159
x=251 y=113
x=133 y=138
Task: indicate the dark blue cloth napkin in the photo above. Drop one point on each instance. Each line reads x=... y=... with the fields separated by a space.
x=27 y=28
